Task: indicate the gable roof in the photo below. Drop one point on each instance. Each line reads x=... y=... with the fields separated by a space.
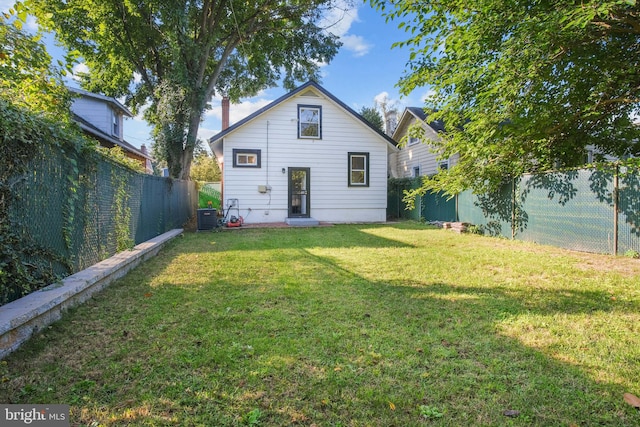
x=298 y=90
x=420 y=114
x=98 y=133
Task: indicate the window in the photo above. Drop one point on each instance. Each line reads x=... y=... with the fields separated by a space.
x=443 y=165
x=309 y=121
x=358 y=169
x=413 y=140
x=246 y=158
x=116 y=124
x=588 y=158
x=416 y=171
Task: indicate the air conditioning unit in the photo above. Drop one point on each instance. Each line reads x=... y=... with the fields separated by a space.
x=207 y=219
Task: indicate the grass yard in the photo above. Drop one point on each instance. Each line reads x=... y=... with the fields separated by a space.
x=350 y=325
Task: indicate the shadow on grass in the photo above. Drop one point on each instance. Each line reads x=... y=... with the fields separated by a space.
x=320 y=344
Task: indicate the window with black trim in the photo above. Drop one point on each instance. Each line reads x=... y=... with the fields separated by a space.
x=358 y=169
x=310 y=121
x=246 y=158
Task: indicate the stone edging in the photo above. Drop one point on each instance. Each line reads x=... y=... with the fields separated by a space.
x=20 y=319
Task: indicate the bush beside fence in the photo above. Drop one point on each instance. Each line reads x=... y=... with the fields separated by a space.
x=588 y=210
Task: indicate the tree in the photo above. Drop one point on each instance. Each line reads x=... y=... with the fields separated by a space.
x=174 y=55
x=372 y=115
x=205 y=168
x=28 y=78
x=523 y=85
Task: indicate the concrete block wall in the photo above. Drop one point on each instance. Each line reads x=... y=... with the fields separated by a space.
x=21 y=319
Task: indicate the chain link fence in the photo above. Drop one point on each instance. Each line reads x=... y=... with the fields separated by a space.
x=80 y=210
x=588 y=210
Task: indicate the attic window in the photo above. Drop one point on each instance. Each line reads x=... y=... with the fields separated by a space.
x=309 y=122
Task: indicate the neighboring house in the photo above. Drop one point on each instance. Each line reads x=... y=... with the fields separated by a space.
x=304 y=158
x=102 y=118
x=416 y=157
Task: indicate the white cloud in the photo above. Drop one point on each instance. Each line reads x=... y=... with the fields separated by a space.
x=381 y=97
x=339 y=18
x=428 y=96
x=338 y=21
x=79 y=69
x=205 y=133
x=356 y=44
x=238 y=112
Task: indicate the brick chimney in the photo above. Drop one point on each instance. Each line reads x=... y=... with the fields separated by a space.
x=225 y=112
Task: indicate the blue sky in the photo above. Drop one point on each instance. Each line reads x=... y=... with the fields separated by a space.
x=365 y=69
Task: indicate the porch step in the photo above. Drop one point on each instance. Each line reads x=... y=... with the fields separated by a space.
x=302 y=222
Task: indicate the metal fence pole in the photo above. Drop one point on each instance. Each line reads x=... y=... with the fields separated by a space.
x=615 y=208
x=513 y=208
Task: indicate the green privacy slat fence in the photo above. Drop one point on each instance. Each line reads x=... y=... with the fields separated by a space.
x=430 y=207
x=71 y=206
x=629 y=211
x=572 y=210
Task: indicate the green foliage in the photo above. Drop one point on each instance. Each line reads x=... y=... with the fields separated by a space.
x=122 y=211
x=118 y=155
x=430 y=412
x=27 y=77
x=205 y=168
x=34 y=114
x=253 y=417
x=25 y=265
x=522 y=85
x=177 y=55
x=372 y=115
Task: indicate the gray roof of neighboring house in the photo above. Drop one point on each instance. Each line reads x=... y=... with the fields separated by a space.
x=89 y=128
x=291 y=94
x=436 y=125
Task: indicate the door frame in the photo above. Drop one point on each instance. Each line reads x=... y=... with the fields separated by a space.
x=291 y=193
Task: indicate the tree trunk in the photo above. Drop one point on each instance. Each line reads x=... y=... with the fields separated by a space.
x=191 y=141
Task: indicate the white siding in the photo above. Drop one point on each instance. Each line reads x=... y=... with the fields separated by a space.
x=98 y=113
x=332 y=200
x=419 y=155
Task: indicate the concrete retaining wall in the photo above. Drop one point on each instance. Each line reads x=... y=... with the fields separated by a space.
x=20 y=319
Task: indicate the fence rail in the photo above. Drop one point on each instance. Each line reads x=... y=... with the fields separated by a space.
x=587 y=210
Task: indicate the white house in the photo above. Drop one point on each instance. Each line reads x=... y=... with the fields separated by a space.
x=102 y=118
x=416 y=157
x=304 y=158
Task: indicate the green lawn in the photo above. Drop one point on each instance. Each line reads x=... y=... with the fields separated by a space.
x=350 y=325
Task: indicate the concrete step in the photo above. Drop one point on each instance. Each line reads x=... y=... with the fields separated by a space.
x=302 y=222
